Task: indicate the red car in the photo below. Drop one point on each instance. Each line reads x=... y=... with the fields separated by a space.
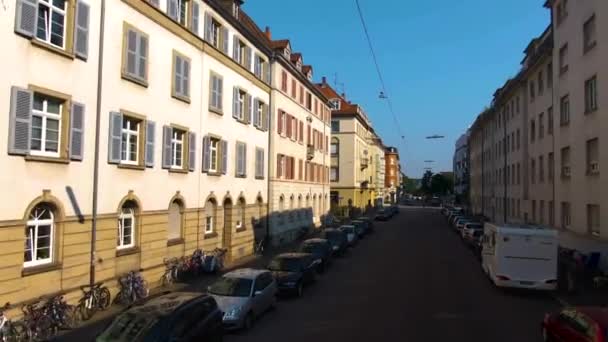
x=576 y=324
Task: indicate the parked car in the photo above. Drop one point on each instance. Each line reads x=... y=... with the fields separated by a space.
x=337 y=240
x=177 y=316
x=382 y=215
x=576 y=324
x=321 y=252
x=351 y=234
x=243 y=295
x=370 y=222
x=360 y=228
x=293 y=271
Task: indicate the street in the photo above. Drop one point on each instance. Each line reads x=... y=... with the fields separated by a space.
x=413 y=280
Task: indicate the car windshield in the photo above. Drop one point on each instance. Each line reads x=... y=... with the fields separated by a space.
x=231 y=287
x=127 y=327
x=285 y=265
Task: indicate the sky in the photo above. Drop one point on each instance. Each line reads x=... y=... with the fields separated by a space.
x=441 y=60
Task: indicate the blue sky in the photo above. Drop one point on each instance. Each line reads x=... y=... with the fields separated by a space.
x=441 y=60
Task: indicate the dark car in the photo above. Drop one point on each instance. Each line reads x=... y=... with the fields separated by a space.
x=370 y=222
x=337 y=240
x=321 y=252
x=588 y=323
x=178 y=316
x=293 y=271
x=382 y=215
x=360 y=228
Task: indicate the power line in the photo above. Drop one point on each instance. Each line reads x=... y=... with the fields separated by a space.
x=382 y=84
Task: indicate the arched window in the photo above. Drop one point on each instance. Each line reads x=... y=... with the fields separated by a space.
x=39 y=235
x=240 y=214
x=126 y=226
x=210 y=212
x=174 y=231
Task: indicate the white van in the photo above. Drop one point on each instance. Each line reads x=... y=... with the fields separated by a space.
x=520 y=256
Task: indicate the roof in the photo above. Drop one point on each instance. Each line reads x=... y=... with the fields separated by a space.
x=598 y=314
x=246 y=273
x=164 y=304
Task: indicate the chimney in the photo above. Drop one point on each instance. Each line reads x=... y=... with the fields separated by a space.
x=268 y=33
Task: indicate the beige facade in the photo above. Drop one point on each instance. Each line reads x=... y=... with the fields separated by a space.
x=183 y=157
x=548 y=170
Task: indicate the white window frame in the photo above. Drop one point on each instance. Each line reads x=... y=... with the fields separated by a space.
x=32 y=227
x=45 y=115
x=175 y=143
x=126 y=213
x=130 y=132
x=214 y=155
x=48 y=21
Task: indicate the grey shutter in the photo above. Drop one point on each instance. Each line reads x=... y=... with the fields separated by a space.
x=225 y=45
x=185 y=77
x=206 y=154
x=178 y=79
x=142 y=56
x=20 y=121
x=235 y=103
x=224 y=163
x=167 y=130
x=26 y=17
x=150 y=138
x=248 y=108
x=172 y=9
x=235 y=48
x=191 y=151
x=208 y=28
x=256 y=115
x=195 y=17
x=115 y=138
x=77 y=131
x=81 y=34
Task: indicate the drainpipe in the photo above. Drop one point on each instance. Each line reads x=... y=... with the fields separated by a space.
x=96 y=157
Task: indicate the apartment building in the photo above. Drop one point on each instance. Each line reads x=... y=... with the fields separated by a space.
x=150 y=148
x=461 y=168
x=349 y=151
x=393 y=174
x=299 y=146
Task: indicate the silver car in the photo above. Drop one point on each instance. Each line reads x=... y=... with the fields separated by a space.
x=243 y=295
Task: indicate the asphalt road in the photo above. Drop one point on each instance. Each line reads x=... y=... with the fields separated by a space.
x=413 y=280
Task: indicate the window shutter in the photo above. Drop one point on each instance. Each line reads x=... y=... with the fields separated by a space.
x=195 y=21
x=115 y=138
x=279 y=125
x=257 y=120
x=172 y=9
x=206 y=153
x=191 y=151
x=77 y=131
x=235 y=103
x=225 y=40
x=177 y=72
x=224 y=163
x=265 y=117
x=167 y=147
x=185 y=77
x=150 y=138
x=208 y=27
x=81 y=34
x=26 y=17
x=248 y=108
x=142 y=57
x=20 y=121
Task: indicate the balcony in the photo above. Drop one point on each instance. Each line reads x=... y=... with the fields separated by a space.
x=310 y=152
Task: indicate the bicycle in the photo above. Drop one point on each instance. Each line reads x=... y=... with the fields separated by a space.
x=95 y=299
x=132 y=288
x=10 y=331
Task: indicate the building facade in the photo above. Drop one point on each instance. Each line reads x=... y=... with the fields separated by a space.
x=299 y=146
x=178 y=94
x=393 y=174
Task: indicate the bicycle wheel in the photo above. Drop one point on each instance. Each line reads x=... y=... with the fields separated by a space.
x=103 y=301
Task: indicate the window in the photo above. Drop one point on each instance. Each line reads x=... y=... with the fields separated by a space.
x=240 y=214
x=175 y=221
x=551 y=166
x=284 y=81
x=126 y=226
x=593 y=165
x=589 y=34
x=532 y=130
x=541 y=83
x=46 y=125
x=541 y=169
x=565 y=162
x=52 y=24
x=563 y=59
x=210 y=212
x=129 y=153
x=335 y=147
x=241 y=159
x=565 y=215
x=564 y=110
x=591 y=95
x=549 y=75
x=550 y=121
x=532 y=91
x=39 y=236
x=541 y=125
x=135 y=51
x=593 y=219
x=335 y=126
x=177 y=148
x=216 y=91
x=259 y=163
x=562 y=11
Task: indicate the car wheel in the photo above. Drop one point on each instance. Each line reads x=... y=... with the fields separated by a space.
x=300 y=290
x=248 y=323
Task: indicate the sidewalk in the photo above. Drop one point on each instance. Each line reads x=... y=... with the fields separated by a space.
x=91 y=328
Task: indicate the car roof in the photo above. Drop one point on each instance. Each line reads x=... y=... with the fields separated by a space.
x=245 y=273
x=164 y=304
x=315 y=240
x=292 y=255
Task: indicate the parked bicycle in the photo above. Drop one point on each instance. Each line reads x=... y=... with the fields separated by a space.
x=133 y=287
x=10 y=331
x=94 y=299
